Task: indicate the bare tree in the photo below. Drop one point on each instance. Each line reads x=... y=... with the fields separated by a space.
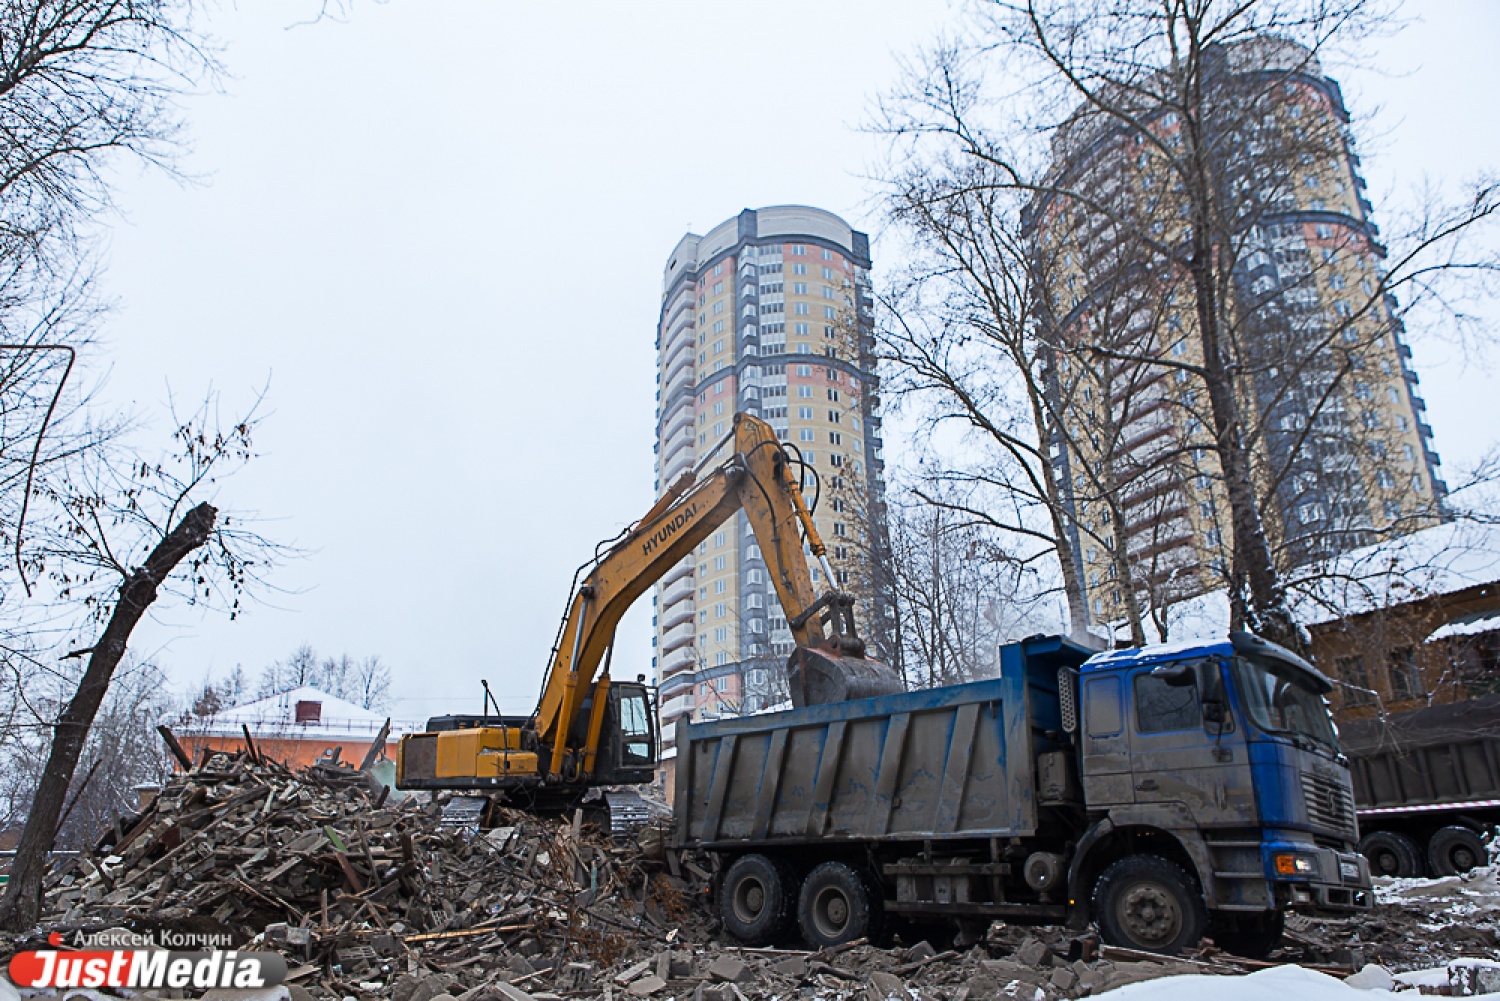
x=365 y=682
x=1218 y=110
x=370 y=683
x=122 y=752
x=111 y=537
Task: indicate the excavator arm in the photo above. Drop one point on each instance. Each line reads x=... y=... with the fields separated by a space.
x=757 y=478
x=559 y=745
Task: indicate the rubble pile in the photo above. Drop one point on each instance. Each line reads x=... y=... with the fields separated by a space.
x=355 y=891
x=1415 y=923
x=375 y=900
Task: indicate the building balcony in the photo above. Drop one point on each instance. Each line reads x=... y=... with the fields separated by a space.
x=679 y=660
x=677 y=573
x=678 y=636
x=682 y=362
x=678 y=612
x=678 y=421
x=678 y=460
x=681 y=705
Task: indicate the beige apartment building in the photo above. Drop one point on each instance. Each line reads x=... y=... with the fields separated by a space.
x=768 y=313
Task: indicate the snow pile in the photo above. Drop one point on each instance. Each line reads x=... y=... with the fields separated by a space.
x=1475 y=978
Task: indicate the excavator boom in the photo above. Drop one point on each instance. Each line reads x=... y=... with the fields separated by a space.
x=560 y=745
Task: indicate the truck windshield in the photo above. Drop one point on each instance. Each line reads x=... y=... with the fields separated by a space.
x=1280 y=701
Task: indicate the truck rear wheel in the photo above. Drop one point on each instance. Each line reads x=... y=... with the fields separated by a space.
x=838 y=904
x=1453 y=850
x=1146 y=902
x=756 y=900
x=1391 y=854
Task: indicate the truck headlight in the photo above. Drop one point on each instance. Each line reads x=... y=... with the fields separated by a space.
x=1291 y=864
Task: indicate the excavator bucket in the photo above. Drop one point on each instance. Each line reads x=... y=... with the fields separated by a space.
x=818 y=676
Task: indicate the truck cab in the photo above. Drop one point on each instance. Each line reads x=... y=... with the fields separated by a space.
x=1221 y=757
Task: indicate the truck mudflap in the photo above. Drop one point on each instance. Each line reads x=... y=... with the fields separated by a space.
x=1314 y=879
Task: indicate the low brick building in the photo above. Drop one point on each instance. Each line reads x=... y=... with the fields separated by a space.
x=1429 y=650
x=296 y=727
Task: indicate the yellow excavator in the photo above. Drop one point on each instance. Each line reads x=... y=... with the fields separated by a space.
x=589 y=731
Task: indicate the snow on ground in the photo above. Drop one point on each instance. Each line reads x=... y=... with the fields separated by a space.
x=1461 y=978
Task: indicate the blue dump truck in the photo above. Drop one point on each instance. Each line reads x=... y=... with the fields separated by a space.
x=1165 y=793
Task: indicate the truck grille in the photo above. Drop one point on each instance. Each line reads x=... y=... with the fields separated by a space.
x=1330 y=804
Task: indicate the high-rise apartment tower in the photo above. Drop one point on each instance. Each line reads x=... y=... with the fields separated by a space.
x=769 y=313
x=1340 y=453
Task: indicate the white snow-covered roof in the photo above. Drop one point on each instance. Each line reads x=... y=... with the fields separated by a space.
x=1468 y=625
x=1437 y=560
x=276 y=716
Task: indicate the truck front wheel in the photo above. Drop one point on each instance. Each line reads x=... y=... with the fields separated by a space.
x=1146 y=902
x=1391 y=854
x=755 y=902
x=838 y=904
x=1453 y=850
x=1252 y=936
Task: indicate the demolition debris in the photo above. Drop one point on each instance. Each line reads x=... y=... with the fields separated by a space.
x=368 y=898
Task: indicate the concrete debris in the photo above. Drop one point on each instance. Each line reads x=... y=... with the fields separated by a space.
x=379 y=901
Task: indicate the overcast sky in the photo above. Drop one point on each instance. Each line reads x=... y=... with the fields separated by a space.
x=438 y=229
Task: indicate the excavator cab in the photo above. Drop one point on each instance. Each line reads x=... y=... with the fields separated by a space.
x=628 y=744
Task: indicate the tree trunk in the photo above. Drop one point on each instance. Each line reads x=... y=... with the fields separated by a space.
x=21 y=906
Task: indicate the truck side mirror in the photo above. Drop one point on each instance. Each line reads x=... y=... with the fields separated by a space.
x=1210 y=682
x=1215 y=712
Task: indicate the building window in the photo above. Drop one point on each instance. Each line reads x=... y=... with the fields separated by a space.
x=721 y=683
x=1356 y=681
x=753 y=577
x=799 y=288
x=719 y=586
x=800 y=308
x=798 y=250
x=805 y=414
x=718 y=563
x=828 y=311
x=721 y=634
x=804 y=391
x=839 y=529
x=800 y=329
x=827 y=254
x=799 y=269
x=720 y=609
x=1406 y=679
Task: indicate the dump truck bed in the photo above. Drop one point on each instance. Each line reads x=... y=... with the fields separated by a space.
x=1445 y=755
x=953 y=762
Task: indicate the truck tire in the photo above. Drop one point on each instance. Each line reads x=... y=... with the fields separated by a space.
x=838 y=904
x=1453 y=850
x=1391 y=854
x=756 y=900
x=1252 y=936
x=1146 y=902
